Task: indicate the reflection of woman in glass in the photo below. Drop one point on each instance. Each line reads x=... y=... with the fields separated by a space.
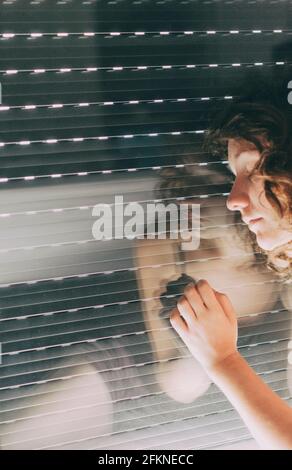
x=258 y=140
x=226 y=247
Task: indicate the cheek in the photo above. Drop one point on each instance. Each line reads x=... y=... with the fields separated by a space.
x=262 y=204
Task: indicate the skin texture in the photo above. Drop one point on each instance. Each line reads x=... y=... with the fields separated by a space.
x=248 y=196
x=206 y=320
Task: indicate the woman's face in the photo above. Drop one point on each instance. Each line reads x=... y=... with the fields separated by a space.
x=248 y=197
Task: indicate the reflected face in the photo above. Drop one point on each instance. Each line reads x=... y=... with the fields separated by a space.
x=248 y=197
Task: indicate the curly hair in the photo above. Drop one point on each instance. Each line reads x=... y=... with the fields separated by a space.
x=268 y=125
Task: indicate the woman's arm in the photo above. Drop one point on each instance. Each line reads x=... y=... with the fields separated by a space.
x=206 y=322
x=268 y=417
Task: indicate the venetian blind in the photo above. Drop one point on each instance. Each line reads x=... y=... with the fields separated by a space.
x=105 y=98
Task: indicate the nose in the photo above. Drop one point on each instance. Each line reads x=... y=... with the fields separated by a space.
x=238 y=198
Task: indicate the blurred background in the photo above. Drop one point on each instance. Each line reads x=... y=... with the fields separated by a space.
x=105 y=98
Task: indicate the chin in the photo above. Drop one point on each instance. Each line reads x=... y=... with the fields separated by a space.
x=266 y=243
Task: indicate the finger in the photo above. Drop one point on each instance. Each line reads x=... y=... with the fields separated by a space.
x=195 y=300
x=227 y=306
x=178 y=322
x=186 y=310
x=207 y=294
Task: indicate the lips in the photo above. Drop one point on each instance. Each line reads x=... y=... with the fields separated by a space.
x=254 y=221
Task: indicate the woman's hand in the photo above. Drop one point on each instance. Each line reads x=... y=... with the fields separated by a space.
x=206 y=321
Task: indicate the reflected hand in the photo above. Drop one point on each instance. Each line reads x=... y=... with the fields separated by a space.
x=206 y=321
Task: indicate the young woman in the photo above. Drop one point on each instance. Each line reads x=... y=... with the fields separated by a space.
x=257 y=139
